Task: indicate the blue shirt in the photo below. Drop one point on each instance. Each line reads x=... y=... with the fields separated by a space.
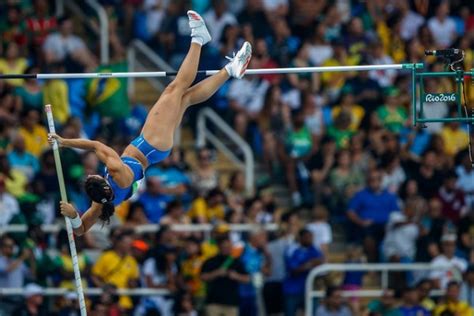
x=169 y=178
x=25 y=162
x=374 y=206
x=154 y=206
x=252 y=260
x=413 y=311
x=295 y=284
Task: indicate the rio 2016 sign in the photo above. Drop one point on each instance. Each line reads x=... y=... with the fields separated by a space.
x=440 y=97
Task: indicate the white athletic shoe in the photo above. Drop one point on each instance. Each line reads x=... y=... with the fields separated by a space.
x=238 y=64
x=199 y=31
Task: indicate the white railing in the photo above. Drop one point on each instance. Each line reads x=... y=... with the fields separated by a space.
x=103 y=31
x=150 y=228
x=136 y=64
x=53 y=291
x=385 y=268
x=206 y=134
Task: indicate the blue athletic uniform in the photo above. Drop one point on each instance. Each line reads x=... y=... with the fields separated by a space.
x=152 y=155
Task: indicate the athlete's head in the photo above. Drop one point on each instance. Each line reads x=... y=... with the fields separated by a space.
x=99 y=191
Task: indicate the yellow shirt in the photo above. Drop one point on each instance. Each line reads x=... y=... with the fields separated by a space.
x=18 y=68
x=111 y=268
x=460 y=308
x=16 y=183
x=335 y=80
x=36 y=141
x=357 y=114
x=454 y=140
x=55 y=92
x=199 y=208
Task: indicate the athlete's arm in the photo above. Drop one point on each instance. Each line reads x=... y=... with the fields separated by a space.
x=105 y=154
x=90 y=217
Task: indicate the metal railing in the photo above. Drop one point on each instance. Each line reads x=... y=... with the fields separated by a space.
x=385 y=268
x=103 y=31
x=53 y=291
x=205 y=134
x=140 y=56
x=149 y=228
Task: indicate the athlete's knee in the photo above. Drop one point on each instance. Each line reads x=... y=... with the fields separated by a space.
x=175 y=87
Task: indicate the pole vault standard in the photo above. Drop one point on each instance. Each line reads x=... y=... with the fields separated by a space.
x=266 y=71
x=70 y=234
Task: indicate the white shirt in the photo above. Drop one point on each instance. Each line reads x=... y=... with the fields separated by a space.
x=392 y=181
x=61 y=46
x=163 y=304
x=400 y=240
x=466 y=183
x=8 y=208
x=322 y=233
x=319 y=54
x=154 y=16
x=216 y=25
x=387 y=77
x=458 y=267
x=271 y=5
x=249 y=94
x=444 y=32
x=410 y=25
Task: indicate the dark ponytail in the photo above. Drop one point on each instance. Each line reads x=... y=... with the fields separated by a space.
x=108 y=210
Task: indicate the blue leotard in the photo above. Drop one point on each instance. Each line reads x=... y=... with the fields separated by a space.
x=153 y=156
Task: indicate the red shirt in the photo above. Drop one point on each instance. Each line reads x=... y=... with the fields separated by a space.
x=453 y=203
x=39 y=28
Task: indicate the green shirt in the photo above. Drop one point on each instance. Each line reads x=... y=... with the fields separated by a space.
x=377 y=307
x=392 y=119
x=300 y=142
x=341 y=137
x=30 y=100
x=108 y=96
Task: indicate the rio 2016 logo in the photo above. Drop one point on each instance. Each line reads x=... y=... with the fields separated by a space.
x=440 y=97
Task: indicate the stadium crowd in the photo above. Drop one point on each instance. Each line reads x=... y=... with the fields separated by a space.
x=342 y=143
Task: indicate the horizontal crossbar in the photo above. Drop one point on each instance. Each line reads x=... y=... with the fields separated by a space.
x=267 y=71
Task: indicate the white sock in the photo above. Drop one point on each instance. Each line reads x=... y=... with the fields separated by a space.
x=197 y=40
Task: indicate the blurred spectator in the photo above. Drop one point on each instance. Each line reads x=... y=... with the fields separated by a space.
x=320 y=228
x=256 y=213
x=34 y=134
x=386 y=305
x=298 y=264
x=117 y=267
x=451 y=302
x=257 y=263
x=14 y=180
x=369 y=210
x=56 y=93
x=347 y=104
x=393 y=174
x=160 y=271
x=40 y=24
x=22 y=160
x=424 y=287
x=253 y=14
x=334 y=304
x=402 y=233
x=410 y=20
x=217 y=18
x=433 y=226
x=466 y=235
x=191 y=269
x=65 y=47
x=353 y=279
x=465 y=173
x=136 y=215
x=205 y=177
x=8 y=204
x=174 y=214
x=343 y=181
x=154 y=203
x=13 y=26
x=428 y=178
x=223 y=274
x=33 y=305
x=320 y=49
x=13 y=63
x=64 y=265
x=235 y=193
x=467 y=287
x=411 y=303
x=210 y=209
x=46 y=179
x=452 y=198
x=30 y=94
x=455 y=139
x=392 y=115
x=340 y=130
x=174 y=182
x=278 y=248
x=442 y=26
x=385 y=78
x=451 y=267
